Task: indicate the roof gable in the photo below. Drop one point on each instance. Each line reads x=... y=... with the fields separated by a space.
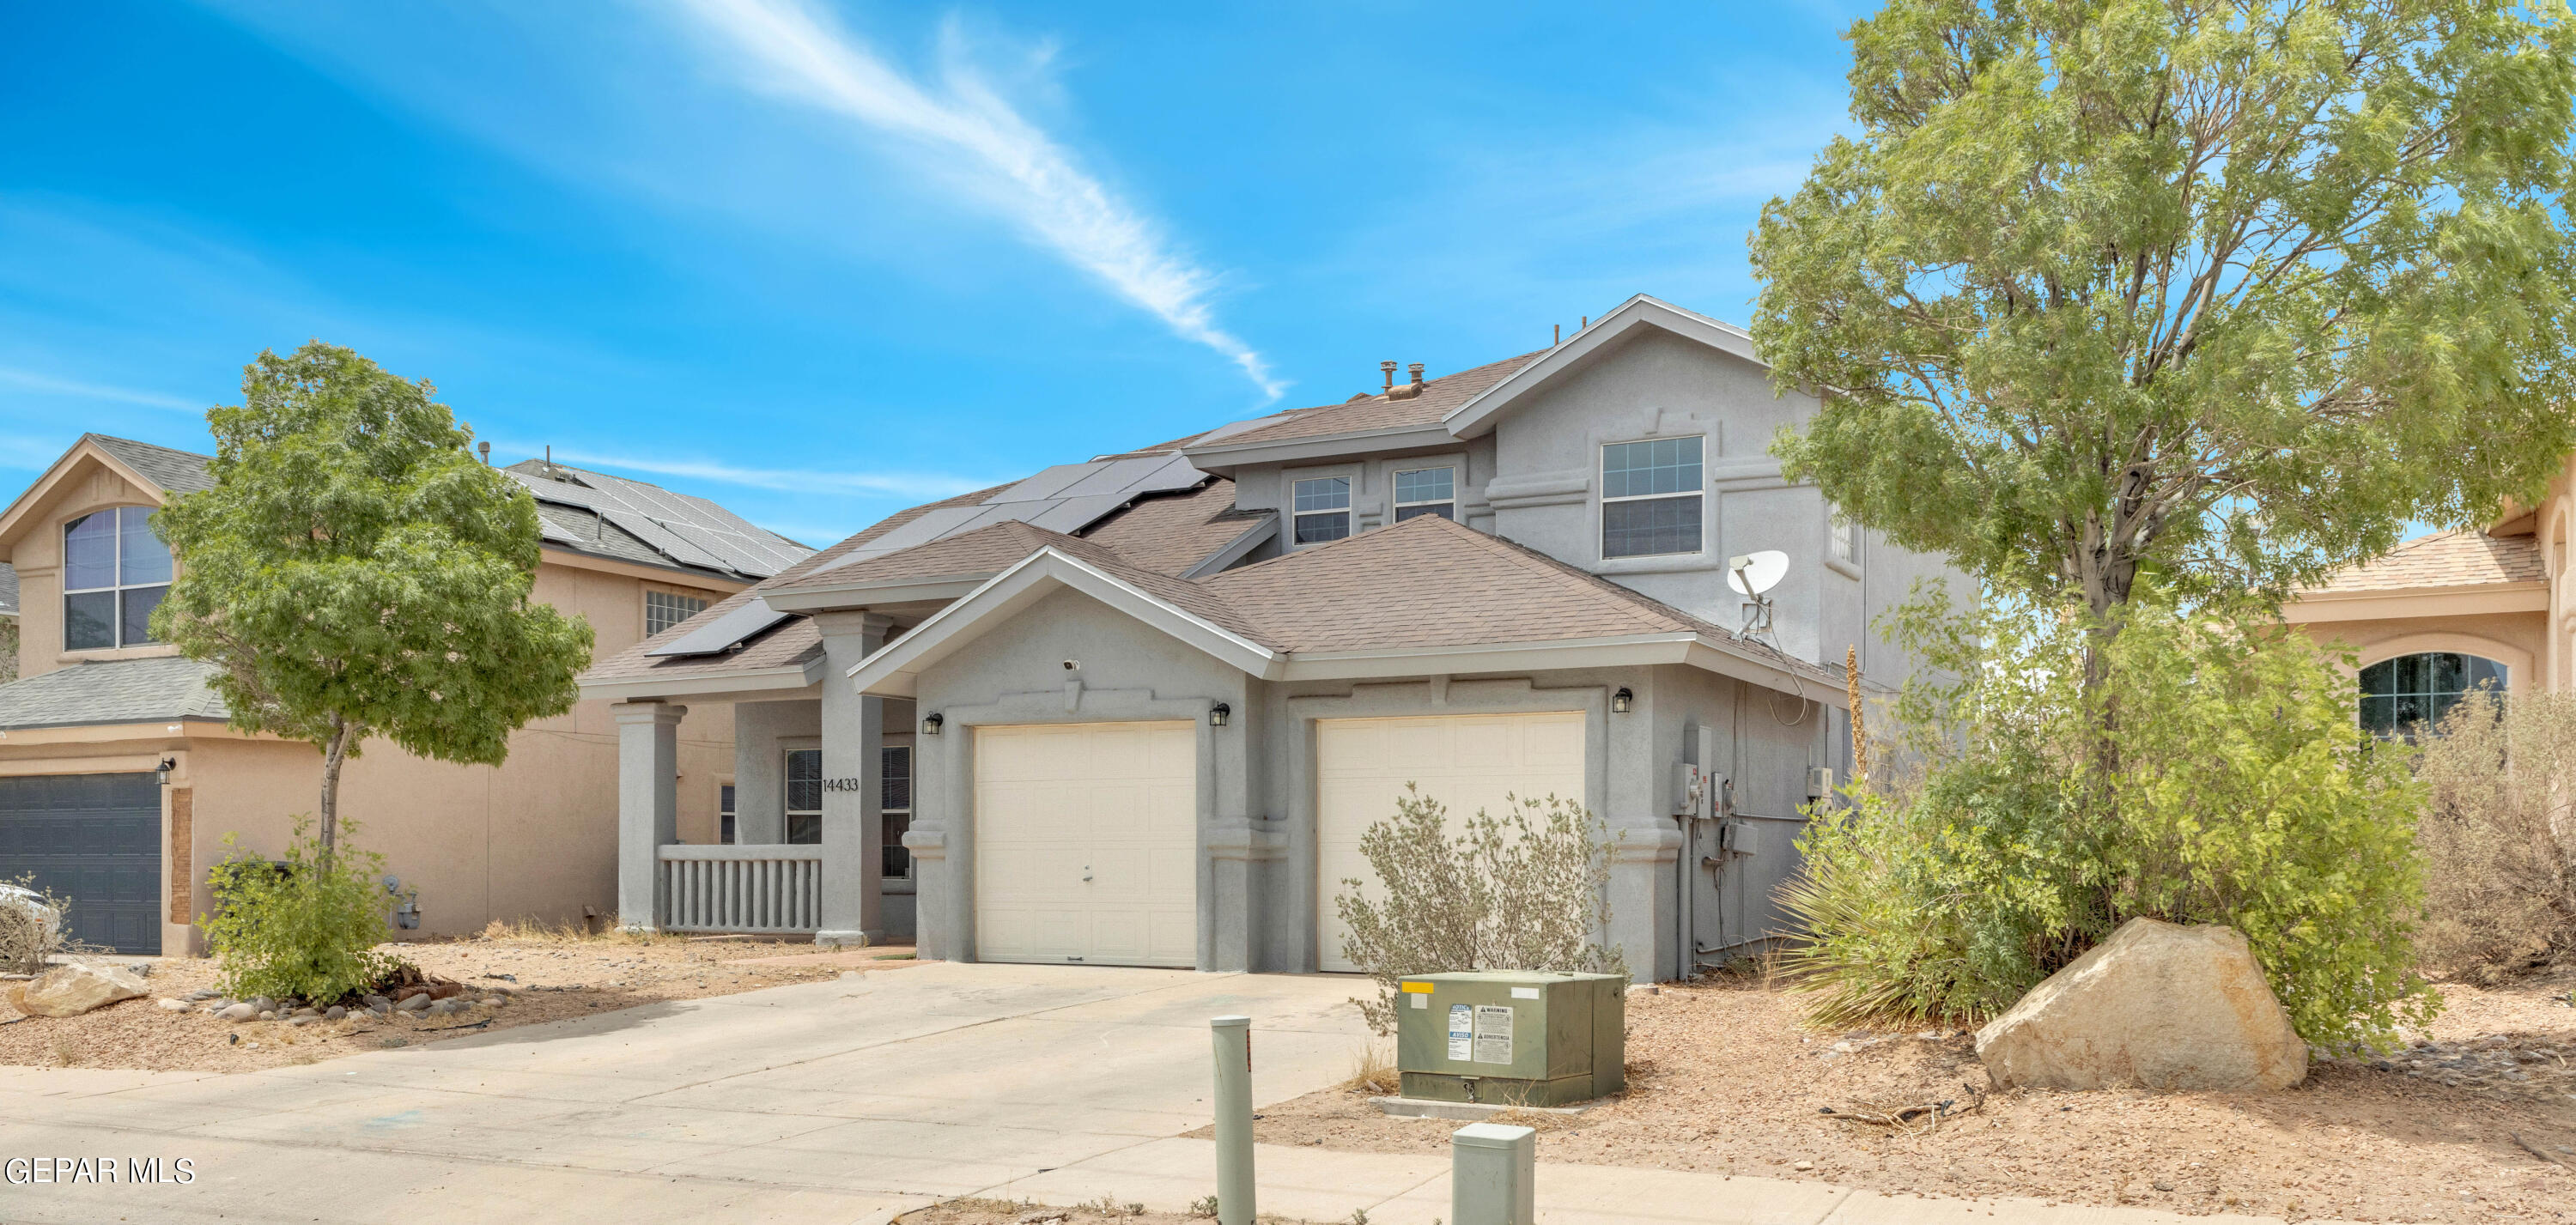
x=2458 y=558
x=158 y=472
x=1479 y=413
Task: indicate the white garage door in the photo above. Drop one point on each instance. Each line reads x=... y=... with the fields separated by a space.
x=1086 y=844
x=1468 y=762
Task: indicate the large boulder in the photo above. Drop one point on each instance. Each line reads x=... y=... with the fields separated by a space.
x=2157 y=1005
x=70 y=990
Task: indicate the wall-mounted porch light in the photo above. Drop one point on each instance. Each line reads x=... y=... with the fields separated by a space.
x=931 y=723
x=167 y=765
x=1218 y=714
x=1621 y=701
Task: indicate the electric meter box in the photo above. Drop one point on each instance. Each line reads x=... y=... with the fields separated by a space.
x=1511 y=1037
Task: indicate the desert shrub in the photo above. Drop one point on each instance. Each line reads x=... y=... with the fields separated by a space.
x=1508 y=893
x=2233 y=787
x=302 y=927
x=2499 y=836
x=31 y=927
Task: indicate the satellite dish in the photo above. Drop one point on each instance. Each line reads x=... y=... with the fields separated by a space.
x=1755 y=573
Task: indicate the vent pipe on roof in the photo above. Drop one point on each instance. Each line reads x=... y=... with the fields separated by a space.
x=1408 y=390
x=1387 y=369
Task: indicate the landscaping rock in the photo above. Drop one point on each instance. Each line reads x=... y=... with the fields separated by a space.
x=268 y=1014
x=336 y=1013
x=176 y=1005
x=412 y=1003
x=2157 y=1005
x=308 y=1011
x=239 y=1012
x=70 y=990
x=493 y=1001
x=299 y=1020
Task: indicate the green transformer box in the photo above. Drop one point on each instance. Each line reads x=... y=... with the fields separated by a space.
x=1511 y=1037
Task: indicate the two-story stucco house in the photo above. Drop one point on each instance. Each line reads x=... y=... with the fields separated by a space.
x=2446 y=613
x=119 y=777
x=1138 y=710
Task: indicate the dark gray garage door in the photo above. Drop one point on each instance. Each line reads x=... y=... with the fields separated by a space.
x=95 y=839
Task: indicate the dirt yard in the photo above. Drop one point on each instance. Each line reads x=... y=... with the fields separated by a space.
x=1007 y=1212
x=540 y=977
x=1721 y=1078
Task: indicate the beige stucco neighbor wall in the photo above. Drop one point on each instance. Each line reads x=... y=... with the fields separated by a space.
x=534 y=838
x=2515 y=640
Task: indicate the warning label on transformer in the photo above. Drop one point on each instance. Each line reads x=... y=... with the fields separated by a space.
x=1462 y=1037
x=1493 y=1034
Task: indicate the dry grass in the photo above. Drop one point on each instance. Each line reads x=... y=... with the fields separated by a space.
x=1373 y=1070
x=523 y=931
x=2499 y=837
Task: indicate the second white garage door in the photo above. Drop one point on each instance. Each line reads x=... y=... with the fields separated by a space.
x=1086 y=844
x=1468 y=762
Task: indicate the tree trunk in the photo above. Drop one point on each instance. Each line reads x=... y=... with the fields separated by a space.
x=335 y=752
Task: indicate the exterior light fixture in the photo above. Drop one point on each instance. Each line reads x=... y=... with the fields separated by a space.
x=167 y=765
x=931 y=723
x=1218 y=714
x=1622 y=700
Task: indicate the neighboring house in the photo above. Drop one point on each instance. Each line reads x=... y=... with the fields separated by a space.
x=2446 y=613
x=1139 y=710
x=119 y=778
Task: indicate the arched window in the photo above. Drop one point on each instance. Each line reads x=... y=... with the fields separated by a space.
x=2397 y=694
x=115 y=571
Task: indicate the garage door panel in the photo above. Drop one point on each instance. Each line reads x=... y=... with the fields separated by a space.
x=94 y=839
x=1114 y=802
x=1469 y=763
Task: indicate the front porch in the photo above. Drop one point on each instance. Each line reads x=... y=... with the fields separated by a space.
x=808 y=839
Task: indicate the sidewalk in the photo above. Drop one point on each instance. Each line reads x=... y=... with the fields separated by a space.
x=1315 y=1184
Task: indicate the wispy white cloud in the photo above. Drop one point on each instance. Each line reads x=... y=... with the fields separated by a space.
x=97 y=391
x=796 y=52
x=782 y=480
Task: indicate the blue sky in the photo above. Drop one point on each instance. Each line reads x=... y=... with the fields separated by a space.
x=823 y=261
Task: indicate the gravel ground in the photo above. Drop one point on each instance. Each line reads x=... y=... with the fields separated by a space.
x=1721 y=1077
x=544 y=978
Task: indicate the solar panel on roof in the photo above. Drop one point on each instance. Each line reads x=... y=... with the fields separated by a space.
x=683 y=529
x=719 y=635
x=1046 y=483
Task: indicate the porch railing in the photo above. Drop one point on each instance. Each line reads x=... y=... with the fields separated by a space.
x=755 y=888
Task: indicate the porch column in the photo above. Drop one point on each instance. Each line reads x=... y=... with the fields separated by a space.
x=648 y=804
x=853 y=730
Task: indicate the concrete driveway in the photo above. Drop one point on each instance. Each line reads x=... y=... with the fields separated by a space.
x=837 y=1101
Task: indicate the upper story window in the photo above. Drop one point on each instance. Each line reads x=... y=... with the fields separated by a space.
x=1426 y=491
x=664 y=609
x=2399 y=694
x=115 y=571
x=1650 y=497
x=1842 y=536
x=1323 y=509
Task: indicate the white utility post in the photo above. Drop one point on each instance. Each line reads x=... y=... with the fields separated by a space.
x=1493 y=1175
x=1232 y=1038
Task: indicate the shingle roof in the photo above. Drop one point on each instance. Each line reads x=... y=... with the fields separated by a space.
x=8 y=590
x=2459 y=558
x=791 y=643
x=175 y=471
x=113 y=691
x=1428 y=582
x=1172 y=534
x=1379 y=412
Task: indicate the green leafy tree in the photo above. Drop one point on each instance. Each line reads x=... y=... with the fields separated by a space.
x=2217 y=292
x=2247 y=796
x=356 y=572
